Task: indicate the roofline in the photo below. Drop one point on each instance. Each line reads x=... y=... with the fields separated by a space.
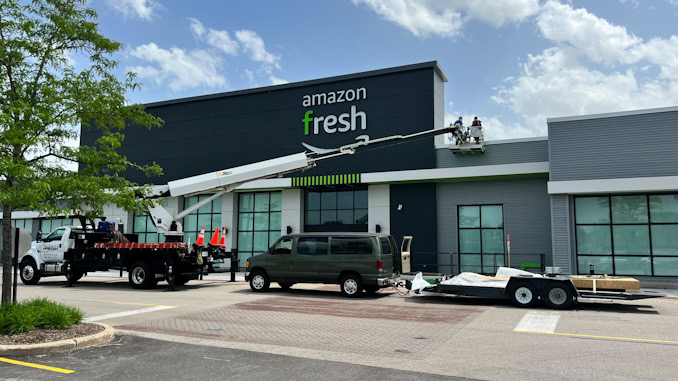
x=371 y=73
x=612 y=114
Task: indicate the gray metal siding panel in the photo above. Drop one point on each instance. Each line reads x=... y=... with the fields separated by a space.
x=503 y=153
x=527 y=216
x=560 y=224
x=615 y=147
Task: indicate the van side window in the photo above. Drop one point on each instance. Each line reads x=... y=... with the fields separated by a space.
x=312 y=246
x=385 y=245
x=284 y=246
x=351 y=245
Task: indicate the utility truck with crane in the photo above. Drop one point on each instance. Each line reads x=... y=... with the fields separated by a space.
x=75 y=250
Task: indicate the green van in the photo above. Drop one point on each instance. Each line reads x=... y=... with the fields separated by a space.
x=356 y=261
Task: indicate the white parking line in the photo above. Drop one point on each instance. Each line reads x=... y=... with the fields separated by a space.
x=538 y=322
x=127 y=313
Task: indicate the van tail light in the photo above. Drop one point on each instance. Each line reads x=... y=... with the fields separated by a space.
x=380 y=265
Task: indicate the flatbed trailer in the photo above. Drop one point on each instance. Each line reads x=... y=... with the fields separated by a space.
x=557 y=292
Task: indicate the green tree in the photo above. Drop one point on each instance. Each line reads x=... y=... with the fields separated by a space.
x=43 y=101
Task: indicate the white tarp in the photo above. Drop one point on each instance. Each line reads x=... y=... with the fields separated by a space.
x=472 y=279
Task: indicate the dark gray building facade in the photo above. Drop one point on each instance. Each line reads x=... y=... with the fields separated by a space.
x=601 y=192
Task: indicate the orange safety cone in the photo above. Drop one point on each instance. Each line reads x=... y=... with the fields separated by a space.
x=223 y=238
x=201 y=237
x=215 y=238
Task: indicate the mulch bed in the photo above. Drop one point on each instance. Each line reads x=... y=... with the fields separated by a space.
x=39 y=336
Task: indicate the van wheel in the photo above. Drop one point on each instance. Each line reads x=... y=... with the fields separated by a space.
x=259 y=282
x=524 y=295
x=285 y=285
x=351 y=286
x=557 y=296
x=140 y=276
x=29 y=272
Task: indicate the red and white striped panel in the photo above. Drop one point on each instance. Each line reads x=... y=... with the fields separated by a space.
x=135 y=245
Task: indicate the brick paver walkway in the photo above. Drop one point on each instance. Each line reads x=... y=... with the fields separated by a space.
x=353 y=326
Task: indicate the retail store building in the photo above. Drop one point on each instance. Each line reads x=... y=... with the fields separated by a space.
x=601 y=190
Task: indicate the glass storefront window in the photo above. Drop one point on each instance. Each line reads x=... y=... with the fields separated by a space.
x=638 y=239
x=259 y=222
x=481 y=230
x=330 y=210
x=592 y=210
x=208 y=215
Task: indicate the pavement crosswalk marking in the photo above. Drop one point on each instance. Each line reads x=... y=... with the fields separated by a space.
x=127 y=313
x=538 y=322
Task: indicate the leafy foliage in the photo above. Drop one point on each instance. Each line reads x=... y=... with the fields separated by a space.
x=46 y=93
x=37 y=313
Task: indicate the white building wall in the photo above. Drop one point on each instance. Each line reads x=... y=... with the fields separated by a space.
x=292 y=210
x=378 y=204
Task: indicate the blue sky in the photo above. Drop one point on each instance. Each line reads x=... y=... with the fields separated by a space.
x=512 y=63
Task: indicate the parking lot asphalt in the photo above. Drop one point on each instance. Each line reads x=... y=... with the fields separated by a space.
x=313 y=325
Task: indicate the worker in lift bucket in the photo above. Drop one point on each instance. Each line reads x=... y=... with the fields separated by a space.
x=458 y=132
x=476 y=129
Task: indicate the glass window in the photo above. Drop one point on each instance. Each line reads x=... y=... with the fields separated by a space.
x=259 y=222
x=25 y=224
x=491 y=216
x=469 y=216
x=629 y=209
x=470 y=263
x=633 y=265
x=664 y=240
x=492 y=240
x=351 y=245
x=312 y=246
x=592 y=210
x=603 y=265
x=665 y=266
x=664 y=208
x=330 y=210
x=208 y=216
x=469 y=241
x=631 y=239
x=594 y=240
x=639 y=238
x=385 y=245
x=284 y=246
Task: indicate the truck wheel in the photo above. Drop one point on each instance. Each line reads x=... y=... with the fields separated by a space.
x=75 y=276
x=29 y=272
x=259 y=281
x=524 y=295
x=351 y=286
x=285 y=285
x=140 y=275
x=558 y=296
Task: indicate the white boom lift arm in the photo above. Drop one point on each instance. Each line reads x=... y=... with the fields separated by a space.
x=228 y=179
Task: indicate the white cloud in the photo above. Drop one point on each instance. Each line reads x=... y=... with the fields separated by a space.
x=179 y=69
x=277 y=81
x=446 y=18
x=567 y=79
x=219 y=39
x=254 y=45
x=143 y=9
x=599 y=40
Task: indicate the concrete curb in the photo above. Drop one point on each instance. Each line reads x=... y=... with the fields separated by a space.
x=60 y=346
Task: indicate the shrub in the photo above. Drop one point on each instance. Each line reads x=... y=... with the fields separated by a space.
x=37 y=313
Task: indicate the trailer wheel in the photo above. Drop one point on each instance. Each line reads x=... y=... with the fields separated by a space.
x=29 y=272
x=140 y=275
x=285 y=285
x=557 y=296
x=351 y=286
x=259 y=281
x=524 y=295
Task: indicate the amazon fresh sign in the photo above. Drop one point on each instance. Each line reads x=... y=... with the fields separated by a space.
x=348 y=121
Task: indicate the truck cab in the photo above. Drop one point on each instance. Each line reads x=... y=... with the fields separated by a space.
x=46 y=255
